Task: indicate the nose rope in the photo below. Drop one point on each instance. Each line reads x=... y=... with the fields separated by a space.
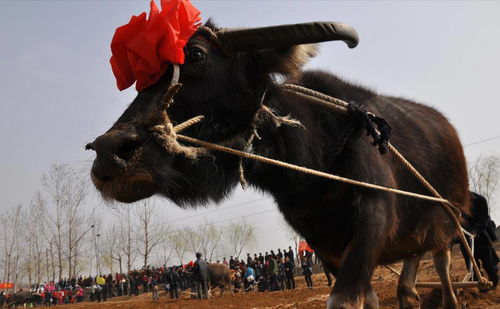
x=164 y=132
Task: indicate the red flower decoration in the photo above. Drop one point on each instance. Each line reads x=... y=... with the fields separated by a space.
x=143 y=48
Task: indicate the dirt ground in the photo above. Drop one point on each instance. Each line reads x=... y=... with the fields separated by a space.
x=384 y=282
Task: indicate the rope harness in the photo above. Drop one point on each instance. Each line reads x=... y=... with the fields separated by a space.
x=167 y=135
x=258 y=118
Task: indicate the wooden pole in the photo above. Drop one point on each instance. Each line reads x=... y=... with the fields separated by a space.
x=393 y=270
x=455 y=285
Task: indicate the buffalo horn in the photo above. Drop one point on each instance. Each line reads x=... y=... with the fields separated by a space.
x=286 y=35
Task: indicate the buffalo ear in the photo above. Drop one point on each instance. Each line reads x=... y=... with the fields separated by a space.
x=287 y=61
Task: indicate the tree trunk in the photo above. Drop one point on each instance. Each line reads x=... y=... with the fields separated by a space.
x=53 y=262
x=70 y=252
x=47 y=263
x=29 y=267
x=120 y=263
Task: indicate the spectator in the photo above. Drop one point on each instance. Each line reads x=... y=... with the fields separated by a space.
x=307 y=271
x=281 y=273
x=327 y=274
x=98 y=292
x=279 y=254
x=237 y=278
x=290 y=280
x=249 y=259
x=273 y=274
x=483 y=227
x=79 y=294
x=173 y=281
x=200 y=272
x=48 y=298
x=291 y=256
x=154 y=288
x=249 y=277
x=100 y=288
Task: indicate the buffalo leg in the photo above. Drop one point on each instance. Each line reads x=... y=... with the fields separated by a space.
x=359 y=259
x=407 y=294
x=442 y=263
x=371 y=299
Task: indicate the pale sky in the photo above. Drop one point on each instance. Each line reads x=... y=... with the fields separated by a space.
x=58 y=91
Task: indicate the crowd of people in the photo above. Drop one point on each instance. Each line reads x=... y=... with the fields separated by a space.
x=271 y=271
x=100 y=288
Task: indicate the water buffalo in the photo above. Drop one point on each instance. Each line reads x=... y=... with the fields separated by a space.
x=219 y=276
x=227 y=75
x=19 y=299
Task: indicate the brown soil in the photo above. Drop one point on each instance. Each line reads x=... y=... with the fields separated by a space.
x=384 y=282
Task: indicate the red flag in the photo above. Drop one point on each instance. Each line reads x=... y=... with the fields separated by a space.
x=6 y=285
x=303 y=246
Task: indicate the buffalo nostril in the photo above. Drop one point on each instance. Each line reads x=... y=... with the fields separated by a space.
x=114 y=150
x=127 y=150
x=90 y=146
x=120 y=162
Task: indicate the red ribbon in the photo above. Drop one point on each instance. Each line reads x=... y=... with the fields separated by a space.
x=143 y=49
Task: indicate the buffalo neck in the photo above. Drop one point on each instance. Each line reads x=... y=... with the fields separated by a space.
x=318 y=144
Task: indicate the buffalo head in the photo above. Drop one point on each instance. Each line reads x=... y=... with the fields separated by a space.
x=224 y=77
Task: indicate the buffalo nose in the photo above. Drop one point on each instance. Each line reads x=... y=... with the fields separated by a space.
x=114 y=149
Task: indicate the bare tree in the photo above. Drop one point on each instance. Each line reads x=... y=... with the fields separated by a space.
x=77 y=226
x=67 y=193
x=166 y=250
x=5 y=220
x=112 y=251
x=239 y=235
x=149 y=230
x=95 y=241
x=484 y=176
x=192 y=238
x=51 y=262
x=35 y=239
x=212 y=240
x=127 y=243
x=12 y=243
x=178 y=240
x=205 y=239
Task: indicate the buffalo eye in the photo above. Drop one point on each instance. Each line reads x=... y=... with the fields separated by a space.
x=196 y=54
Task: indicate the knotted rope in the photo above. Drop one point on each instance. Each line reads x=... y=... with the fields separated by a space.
x=258 y=118
x=163 y=130
x=380 y=135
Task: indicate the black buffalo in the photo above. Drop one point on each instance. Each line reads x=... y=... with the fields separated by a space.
x=219 y=276
x=226 y=76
